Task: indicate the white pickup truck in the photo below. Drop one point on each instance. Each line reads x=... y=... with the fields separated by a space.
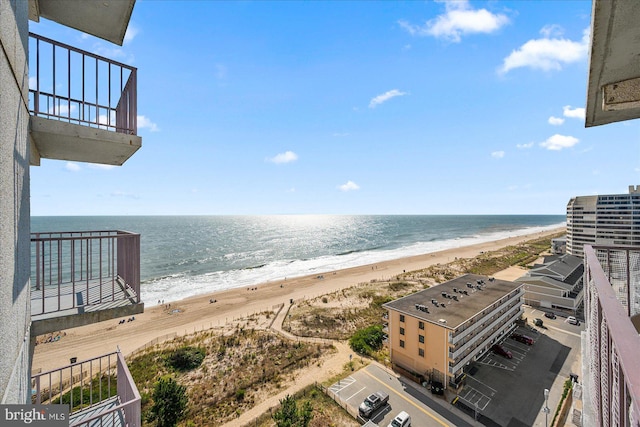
x=372 y=403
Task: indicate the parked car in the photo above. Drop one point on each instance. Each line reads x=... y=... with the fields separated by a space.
x=522 y=338
x=498 y=349
x=538 y=322
x=573 y=320
x=401 y=420
x=550 y=315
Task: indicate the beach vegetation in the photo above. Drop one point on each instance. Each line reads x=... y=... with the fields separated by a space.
x=186 y=358
x=169 y=402
x=367 y=340
x=239 y=369
x=289 y=414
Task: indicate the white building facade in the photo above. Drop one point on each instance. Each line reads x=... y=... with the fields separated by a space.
x=604 y=220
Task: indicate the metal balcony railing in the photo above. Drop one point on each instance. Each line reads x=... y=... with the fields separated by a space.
x=612 y=291
x=99 y=391
x=84 y=270
x=80 y=87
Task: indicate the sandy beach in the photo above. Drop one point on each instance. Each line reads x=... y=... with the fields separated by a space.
x=197 y=313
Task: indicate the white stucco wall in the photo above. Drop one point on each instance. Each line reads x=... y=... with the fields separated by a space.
x=15 y=319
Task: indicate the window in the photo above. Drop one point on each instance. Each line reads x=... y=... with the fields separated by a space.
x=420 y=352
x=421 y=338
x=401 y=331
x=402 y=317
x=402 y=343
x=421 y=325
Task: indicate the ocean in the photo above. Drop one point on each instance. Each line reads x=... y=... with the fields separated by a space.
x=183 y=256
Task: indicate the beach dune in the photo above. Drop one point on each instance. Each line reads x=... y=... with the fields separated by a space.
x=200 y=312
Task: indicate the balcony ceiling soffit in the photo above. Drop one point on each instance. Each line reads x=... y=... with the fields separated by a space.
x=106 y=19
x=613 y=90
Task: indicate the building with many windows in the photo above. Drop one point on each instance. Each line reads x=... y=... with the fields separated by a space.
x=435 y=333
x=612 y=219
x=59 y=102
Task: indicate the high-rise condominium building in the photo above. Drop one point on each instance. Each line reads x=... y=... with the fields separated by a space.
x=605 y=220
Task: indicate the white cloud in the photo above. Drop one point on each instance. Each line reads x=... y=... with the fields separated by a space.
x=145 y=122
x=349 y=186
x=553 y=30
x=556 y=121
x=547 y=53
x=73 y=167
x=497 y=154
x=458 y=20
x=525 y=146
x=385 y=97
x=33 y=83
x=286 y=157
x=575 y=113
x=101 y=167
x=132 y=32
x=558 y=142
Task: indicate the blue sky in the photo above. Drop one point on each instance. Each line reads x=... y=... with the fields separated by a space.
x=360 y=107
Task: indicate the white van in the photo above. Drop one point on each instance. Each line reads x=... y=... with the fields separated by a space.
x=401 y=420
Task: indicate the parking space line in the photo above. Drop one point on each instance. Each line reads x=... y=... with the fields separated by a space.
x=435 y=418
x=473 y=401
x=480 y=382
x=337 y=387
x=354 y=394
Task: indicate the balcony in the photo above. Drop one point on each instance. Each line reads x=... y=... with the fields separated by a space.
x=99 y=392
x=79 y=278
x=83 y=106
x=612 y=293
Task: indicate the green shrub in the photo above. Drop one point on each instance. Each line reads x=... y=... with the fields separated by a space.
x=367 y=340
x=169 y=402
x=186 y=358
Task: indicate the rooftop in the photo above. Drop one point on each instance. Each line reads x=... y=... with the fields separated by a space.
x=457 y=307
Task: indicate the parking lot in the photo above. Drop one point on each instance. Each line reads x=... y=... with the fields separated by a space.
x=509 y=392
x=424 y=409
x=498 y=390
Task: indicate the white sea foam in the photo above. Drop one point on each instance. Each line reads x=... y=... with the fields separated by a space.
x=180 y=286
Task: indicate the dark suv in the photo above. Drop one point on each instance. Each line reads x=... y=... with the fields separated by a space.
x=550 y=315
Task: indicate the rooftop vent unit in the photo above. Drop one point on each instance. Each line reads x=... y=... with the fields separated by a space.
x=444 y=294
x=469 y=285
x=455 y=290
x=442 y=321
x=443 y=305
x=491 y=279
x=479 y=288
x=434 y=302
x=455 y=298
x=465 y=292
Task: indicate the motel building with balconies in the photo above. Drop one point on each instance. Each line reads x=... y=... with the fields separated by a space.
x=435 y=334
x=59 y=102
